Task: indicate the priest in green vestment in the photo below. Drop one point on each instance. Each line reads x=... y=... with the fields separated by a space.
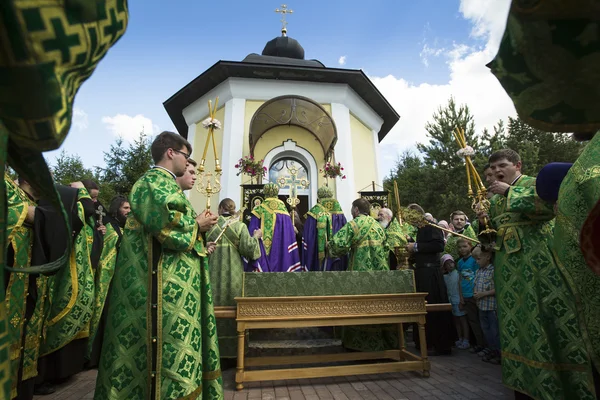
x=160 y=340
x=458 y=219
x=56 y=44
x=114 y=222
x=25 y=294
x=395 y=237
x=543 y=352
x=323 y=221
x=579 y=192
x=71 y=295
x=227 y=268
x=365 y=240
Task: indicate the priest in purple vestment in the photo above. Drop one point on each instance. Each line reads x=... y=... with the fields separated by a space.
x=322 y=222
x=278 y=248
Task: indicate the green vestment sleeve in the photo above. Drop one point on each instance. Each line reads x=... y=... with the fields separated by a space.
x=164 y=216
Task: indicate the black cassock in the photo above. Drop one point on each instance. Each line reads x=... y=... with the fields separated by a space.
x=429 y=278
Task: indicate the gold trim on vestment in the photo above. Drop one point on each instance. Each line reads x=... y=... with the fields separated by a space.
x=196 y=235
x=211 y=375
x=149 y=312
x=192 y=396
x=547 y=366
x=159 y=324
x=74 y=290
x=369 y=243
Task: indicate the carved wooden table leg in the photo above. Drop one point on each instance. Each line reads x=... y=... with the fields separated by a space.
x=239 y=375
x=423 y=343
x=401 y=341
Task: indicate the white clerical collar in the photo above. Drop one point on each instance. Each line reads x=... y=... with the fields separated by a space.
x=159 y=167
x=516 y=179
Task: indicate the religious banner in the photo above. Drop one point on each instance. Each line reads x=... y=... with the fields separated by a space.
x=378 y=199
x=252 y=196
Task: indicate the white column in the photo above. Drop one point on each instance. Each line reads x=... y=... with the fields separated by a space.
x=378 y=177
x=190 y=138
x=233 y=147
x=346 y=192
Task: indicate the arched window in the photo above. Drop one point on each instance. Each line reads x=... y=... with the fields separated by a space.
x=280 y=169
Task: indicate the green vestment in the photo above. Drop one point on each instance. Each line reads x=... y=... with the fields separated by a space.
x=365 y=239
x=322 y=212
x=160 y=338
x=579 y=192
x=227 y=272
x=47 y=50
x=71 y=290
x=452 y=242
x=104 y=275
x=543 y=354
x=20 y=239
x=395 y=235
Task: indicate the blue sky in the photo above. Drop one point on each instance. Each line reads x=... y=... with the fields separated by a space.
x=417 y=52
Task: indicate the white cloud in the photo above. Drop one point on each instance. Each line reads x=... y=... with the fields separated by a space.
x=427 y=52
x=342 y=60
x=80 y=119
x=470 y=82
x=129 y=128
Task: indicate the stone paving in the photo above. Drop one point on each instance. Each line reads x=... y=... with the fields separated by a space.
x=460 y=376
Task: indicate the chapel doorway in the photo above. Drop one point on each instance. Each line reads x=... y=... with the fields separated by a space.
x=280 y=169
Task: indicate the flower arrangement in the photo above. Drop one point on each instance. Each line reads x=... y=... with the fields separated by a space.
x=466 y=151
x=247 y=165
x=333 y=170
x=211 y=123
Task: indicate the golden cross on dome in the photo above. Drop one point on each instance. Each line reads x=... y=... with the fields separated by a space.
x=283 y=11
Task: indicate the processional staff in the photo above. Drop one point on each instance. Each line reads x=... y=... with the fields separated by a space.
x=480 y=201
x=208 y=182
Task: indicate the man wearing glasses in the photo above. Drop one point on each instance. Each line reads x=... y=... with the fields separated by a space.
x=160 y=307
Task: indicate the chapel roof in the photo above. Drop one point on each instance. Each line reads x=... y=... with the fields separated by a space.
x=281 y=59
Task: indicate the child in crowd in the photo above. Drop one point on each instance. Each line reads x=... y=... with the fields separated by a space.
x=467 y=268
x=485 y=294
x=452 y=280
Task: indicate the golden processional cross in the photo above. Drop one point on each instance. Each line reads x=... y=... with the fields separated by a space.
x=293 y=183
x=283 y=11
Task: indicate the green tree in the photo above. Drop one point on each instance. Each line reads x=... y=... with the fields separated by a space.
x=436 y=177
x=70 y=168
x=124 y=166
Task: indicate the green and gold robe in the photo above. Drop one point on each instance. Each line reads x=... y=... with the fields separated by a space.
x=160 y=339
x=579 y=192
x=57 y=44
x=365 y=239
x=452 y=241
x=227 y=272
x=71 y=290
x=20 y=238
x=543 y=353
x=103 y=277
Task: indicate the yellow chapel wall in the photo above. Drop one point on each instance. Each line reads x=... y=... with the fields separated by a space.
x=199 y=200
x=363 y=154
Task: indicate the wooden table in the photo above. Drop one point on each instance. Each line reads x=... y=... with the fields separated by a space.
x=318 y=311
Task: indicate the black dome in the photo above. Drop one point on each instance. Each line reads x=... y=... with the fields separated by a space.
x=284 y=46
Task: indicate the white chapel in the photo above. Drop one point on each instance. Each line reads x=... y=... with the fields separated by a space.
x=287 y=110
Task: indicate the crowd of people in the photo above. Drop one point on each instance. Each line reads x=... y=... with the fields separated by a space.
x=137 y=298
